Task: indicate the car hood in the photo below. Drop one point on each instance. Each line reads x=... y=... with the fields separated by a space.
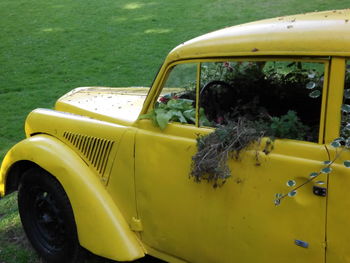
x=119 y=105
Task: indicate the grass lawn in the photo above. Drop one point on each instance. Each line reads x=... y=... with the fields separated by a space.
x=14 y=246
x=49 y=47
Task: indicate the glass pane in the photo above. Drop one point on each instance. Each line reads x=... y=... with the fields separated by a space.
x=284 y=97
x=177 y=102
x=345 y=131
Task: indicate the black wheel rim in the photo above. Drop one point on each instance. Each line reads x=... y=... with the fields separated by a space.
x=47 y=220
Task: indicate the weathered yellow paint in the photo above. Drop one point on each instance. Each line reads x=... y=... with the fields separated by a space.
x=325 y=89
x=335 y=98
x=102 y=228
x=136 y=224
x=121 y=185
x=198 y=223
x=118 y=105
x=338 y=235
x=58 y=123
x=317 y=34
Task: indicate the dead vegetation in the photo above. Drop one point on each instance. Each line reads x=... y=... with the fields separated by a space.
x=210 y=161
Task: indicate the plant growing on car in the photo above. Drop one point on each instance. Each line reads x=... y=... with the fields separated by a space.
x=241 y=126
x=172 y=108
x=213 y=150
x=340 y=144
x=326 y=169
x=227 y=141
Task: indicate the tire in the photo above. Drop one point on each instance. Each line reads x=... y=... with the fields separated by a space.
x=47 y=218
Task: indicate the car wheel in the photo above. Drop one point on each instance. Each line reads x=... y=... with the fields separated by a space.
x=47 y=217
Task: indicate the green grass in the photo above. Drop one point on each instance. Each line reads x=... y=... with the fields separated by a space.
x=49 y=47
x=14 y=247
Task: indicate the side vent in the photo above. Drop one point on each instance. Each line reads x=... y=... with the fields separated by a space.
x=95 y=150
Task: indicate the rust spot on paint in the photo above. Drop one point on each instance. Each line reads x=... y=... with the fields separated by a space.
x=239 y=181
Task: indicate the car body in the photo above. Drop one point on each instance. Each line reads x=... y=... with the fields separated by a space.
x=127 y=180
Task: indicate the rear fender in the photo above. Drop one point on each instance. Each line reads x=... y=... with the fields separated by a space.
x=101 y=227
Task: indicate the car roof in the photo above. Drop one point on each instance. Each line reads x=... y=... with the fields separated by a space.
x=312 y=34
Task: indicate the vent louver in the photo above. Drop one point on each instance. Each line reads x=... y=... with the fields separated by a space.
x=95 y=150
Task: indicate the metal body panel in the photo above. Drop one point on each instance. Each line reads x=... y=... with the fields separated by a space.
x=338 y=205
x=338 y=236
x=314 y=34
x=101 y=227
x=95 y=141
x=121 y=185
x=118 y=105
x=228 y=223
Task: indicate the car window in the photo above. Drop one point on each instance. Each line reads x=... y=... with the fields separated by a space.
x=279 y=95
x=345 y=110
x=177 y=101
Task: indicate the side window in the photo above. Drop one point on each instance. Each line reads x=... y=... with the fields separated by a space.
x=345 y=132
x=284 y=97
x=177 y=101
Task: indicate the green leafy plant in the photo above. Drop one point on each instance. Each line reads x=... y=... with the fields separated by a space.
x=287 y=126
x=173 y=109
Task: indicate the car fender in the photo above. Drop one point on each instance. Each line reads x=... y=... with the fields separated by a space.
x=101 y=227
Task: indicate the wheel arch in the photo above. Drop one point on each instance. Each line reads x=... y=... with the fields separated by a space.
x=15 y=173
x=101 y=227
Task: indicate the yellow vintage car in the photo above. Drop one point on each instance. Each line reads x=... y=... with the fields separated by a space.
x=113 y=170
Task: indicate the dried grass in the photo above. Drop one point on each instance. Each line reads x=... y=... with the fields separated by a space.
x=210 y=161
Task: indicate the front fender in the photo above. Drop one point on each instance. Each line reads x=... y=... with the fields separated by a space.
x=101 y=227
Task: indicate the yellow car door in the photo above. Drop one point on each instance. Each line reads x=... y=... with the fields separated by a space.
x=237 y=222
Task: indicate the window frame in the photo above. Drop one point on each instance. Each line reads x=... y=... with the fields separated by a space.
x=335 y=98
x=325 y=89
